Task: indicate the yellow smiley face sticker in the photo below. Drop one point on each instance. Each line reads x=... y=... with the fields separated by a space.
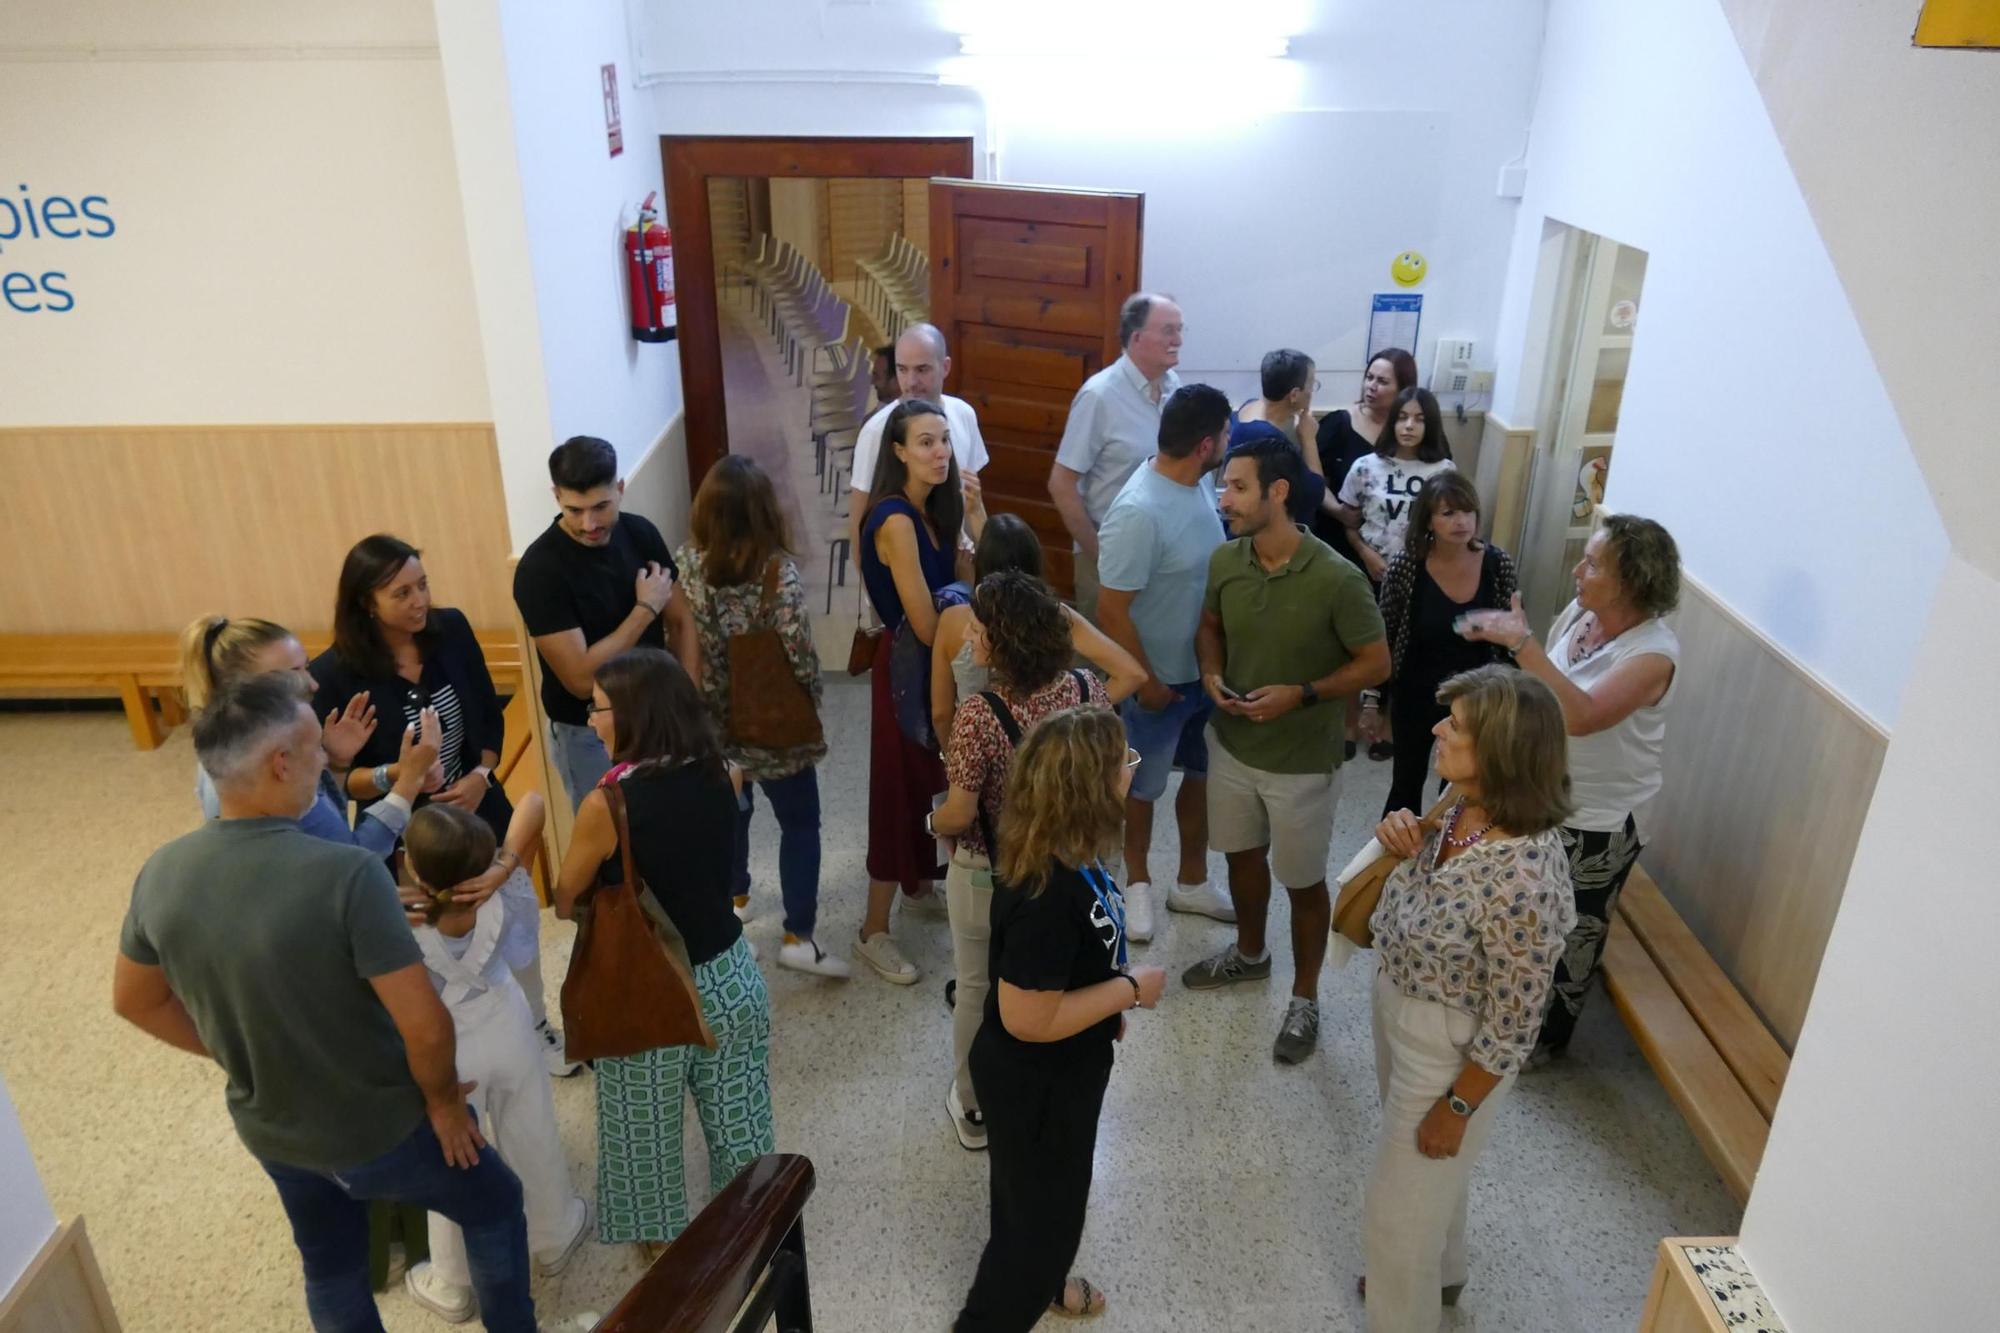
x=1407 y=269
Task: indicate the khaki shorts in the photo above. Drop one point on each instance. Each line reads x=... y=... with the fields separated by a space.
x=1290 y=813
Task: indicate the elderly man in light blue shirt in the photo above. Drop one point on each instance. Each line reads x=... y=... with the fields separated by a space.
x=1113 y=427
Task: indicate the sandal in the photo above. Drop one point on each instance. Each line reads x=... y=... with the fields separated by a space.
x=1091 y=1300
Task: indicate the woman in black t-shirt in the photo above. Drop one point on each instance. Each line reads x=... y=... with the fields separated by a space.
x=681 y=806
x=1443 y=572
x=1061 y=986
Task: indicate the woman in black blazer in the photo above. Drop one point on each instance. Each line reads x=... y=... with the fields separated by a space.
x=389 y=640
x=408 y=655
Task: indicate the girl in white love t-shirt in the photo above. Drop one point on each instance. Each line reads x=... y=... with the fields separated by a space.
x=1382 y=487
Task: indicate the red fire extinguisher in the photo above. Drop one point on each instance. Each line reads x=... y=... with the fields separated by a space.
x=649 y=271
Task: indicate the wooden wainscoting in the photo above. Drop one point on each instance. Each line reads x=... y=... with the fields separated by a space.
x=1501 y=474
x=120 y=529
x=1769 y=774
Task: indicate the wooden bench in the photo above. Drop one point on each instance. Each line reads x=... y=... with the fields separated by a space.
x=520 y=772
x=1713 y=1054
x=143 y=671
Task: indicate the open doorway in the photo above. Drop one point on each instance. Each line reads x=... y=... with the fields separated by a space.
x=755 y=353
x=1592 y=323
x=813 y=275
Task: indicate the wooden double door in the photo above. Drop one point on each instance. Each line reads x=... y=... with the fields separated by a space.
x=1026 y=284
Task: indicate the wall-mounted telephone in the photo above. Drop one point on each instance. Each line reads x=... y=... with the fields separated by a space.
x=1451 y=366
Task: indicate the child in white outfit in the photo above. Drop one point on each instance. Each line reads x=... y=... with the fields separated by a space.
x=471 y=954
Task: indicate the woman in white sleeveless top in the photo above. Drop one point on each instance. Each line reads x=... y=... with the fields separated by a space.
x=1614 y=665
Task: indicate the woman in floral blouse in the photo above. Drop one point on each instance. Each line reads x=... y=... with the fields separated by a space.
x=1468 y=932
x=1021 y=633
x=738 y=532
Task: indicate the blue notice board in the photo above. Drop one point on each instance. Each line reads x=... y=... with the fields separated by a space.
x=1392 y=322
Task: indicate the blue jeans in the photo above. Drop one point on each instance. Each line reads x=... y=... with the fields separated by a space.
x=329 y=1215
x=580 y=758
x=795 y=801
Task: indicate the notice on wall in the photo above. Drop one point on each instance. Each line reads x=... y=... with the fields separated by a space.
x=611 y=130
x=1392 y=322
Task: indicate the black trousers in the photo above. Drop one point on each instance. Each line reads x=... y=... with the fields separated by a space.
x=1412 y=712
x=1041 y=1133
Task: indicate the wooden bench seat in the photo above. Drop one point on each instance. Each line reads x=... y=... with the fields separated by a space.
x=1713 y=1054
x=143 y=671
x=1711 y=999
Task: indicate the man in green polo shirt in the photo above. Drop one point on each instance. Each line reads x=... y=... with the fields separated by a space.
x=1288 y=631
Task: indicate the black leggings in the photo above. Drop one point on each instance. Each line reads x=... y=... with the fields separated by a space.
x=1412 y=712
x=1041 y=1133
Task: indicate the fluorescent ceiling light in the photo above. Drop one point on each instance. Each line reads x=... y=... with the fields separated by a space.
x=1041 y=44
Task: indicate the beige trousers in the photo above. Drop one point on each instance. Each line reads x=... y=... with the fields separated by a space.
x=968 y=903
x=1414 y=1217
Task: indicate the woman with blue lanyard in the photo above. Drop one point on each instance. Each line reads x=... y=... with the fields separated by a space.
x=1061 y=987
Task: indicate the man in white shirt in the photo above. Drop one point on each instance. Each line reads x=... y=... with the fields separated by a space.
x=921 y=367
x=1113 y=427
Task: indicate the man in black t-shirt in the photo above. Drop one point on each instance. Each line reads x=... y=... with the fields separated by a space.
x=594 y=584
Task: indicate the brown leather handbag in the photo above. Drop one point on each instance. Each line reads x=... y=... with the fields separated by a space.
x=861 y=650
x=1361 y=893
x=769 y=709
x=630 y=988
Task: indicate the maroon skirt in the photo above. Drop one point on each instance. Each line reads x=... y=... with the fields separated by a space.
x=902 y=778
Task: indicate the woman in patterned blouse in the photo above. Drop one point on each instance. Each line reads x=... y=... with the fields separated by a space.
x=1468 y=932
x=738 y=534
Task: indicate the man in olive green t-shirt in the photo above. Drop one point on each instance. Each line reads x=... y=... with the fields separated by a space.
x=287 y=960
x=1288 y=631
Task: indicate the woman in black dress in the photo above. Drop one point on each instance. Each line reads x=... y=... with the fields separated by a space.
x=1061 y=986
x=1443 y=571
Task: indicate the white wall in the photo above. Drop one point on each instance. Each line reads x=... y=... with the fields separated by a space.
x=1879 y=1198
x=1272 y=218
x=26 y=1220
x=1754 y=425
x=528 y=119
x=288 y=245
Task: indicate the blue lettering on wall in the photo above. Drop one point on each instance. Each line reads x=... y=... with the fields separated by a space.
x=48 y=218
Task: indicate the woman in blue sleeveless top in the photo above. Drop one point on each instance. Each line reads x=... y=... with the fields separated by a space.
x=917 y=505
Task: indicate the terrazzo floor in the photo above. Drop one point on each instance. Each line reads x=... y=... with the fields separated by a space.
x=1228 y=1188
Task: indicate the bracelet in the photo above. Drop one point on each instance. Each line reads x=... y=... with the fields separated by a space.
x=381 y=776
x=1522 y=642
x=1135 y=987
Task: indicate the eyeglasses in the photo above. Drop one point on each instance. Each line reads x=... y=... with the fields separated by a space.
x=593 y=709
x=1131 y=757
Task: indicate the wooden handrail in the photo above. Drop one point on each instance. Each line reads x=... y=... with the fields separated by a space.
x=701 y=1282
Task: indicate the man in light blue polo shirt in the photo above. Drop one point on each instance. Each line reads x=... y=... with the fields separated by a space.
x=1154 y=551
x=1113 y=427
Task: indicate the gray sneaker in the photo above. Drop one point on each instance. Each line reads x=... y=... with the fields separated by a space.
x=1299 y=1033
x=1223 y=968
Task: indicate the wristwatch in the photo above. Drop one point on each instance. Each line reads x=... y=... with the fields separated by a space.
x=486 y=773
x=1308 y=695
x=1459 y=1106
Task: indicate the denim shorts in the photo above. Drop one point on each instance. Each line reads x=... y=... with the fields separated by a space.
x=1172 y=738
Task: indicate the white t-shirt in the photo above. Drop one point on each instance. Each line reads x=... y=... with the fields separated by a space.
x=959 y=418
x=1384 y=489
x=1616 y=772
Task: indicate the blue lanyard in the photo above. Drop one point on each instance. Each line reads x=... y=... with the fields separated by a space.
x=1107 y=894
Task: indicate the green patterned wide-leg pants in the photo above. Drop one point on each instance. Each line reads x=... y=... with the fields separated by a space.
x=641 y=1178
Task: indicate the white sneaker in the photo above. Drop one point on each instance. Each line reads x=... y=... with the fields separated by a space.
x=743 y=909
x=970 y=1126
x=880 y=952
x=446 y=1300
x=1139 y=912
x=1203 y=899
x=550 y=1262
x=930 y=904
x=559 y=1065
x=805 y=956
